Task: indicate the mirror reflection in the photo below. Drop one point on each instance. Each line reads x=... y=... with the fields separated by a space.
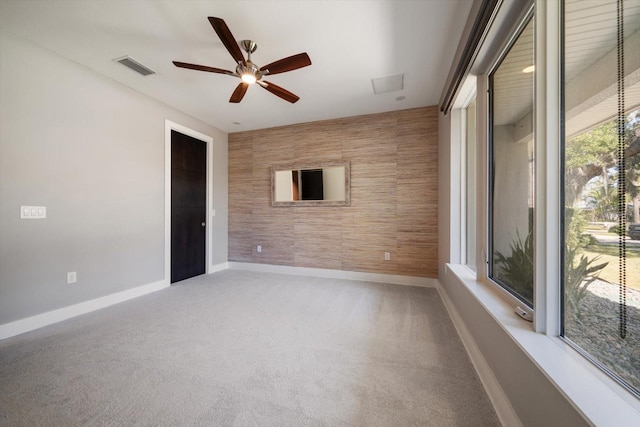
x=326 y=184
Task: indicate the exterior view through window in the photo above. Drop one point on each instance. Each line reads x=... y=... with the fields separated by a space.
x=601 y=218
x=511 y=168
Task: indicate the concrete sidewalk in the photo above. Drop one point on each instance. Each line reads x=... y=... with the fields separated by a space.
x=606 y=239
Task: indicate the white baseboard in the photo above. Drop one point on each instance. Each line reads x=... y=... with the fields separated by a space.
x=218 y=267
x=336 y=274
x=504 y=410
x=21 y=326
x=35 y=322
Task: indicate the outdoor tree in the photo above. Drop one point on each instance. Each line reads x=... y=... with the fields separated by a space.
x=589 y=155
x=594 y=154
x=632 y=156
x=603 y=201
x=633 y=186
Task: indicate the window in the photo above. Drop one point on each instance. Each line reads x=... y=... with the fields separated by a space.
x=511 y=172
x=586 y=198
x=601 y=190
x=470 y=184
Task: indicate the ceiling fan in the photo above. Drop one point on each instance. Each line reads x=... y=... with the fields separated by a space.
x=246 y=70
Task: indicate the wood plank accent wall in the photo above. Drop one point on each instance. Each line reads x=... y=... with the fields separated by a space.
x=394 y=195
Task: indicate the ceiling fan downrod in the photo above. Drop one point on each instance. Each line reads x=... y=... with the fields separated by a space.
x=249 y=73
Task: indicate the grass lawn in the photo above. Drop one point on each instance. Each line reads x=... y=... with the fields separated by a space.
x=609 y=253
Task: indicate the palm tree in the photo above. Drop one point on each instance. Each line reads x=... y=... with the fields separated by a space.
x=604 y=200
x=632 y=155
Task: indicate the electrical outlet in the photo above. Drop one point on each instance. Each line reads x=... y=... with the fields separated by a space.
x=72 y=277
x=387 y=256
x=259 y=248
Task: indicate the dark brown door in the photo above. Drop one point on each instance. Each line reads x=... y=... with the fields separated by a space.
x=188 y=206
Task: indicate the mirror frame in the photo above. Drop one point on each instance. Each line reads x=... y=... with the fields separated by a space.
x=319 y=165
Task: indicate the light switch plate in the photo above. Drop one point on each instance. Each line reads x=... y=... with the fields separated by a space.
x=33 y=212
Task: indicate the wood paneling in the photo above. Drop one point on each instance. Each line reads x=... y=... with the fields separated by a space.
x=394 y=195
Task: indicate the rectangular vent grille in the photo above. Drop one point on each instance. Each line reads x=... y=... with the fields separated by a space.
x=135 y=65
x=388 y=84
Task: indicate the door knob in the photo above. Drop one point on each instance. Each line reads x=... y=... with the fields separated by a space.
x=203 y=223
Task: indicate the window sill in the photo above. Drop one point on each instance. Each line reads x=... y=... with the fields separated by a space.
x=598 y=398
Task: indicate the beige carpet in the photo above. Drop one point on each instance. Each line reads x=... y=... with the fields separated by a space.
x=240 y=348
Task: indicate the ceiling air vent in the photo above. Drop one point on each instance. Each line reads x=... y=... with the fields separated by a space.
x=388 y=84
x=135 y=65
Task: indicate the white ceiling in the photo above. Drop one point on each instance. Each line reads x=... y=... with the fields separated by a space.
x=513 y=89
x=349 y=43
x=590 y=40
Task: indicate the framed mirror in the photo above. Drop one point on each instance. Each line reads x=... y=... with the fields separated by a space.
x=321 y=184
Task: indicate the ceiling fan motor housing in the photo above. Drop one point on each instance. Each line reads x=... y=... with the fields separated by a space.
x=250 y=68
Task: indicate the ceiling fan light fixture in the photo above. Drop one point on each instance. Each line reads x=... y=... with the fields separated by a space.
x=248 y=73
x=248 y=78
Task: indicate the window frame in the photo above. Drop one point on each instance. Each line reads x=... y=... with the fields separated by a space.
x=562 y=139
x=513 y=38
x=595 y=395
x=469 y=94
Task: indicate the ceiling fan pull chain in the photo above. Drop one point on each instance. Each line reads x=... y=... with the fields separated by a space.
x=622 y=208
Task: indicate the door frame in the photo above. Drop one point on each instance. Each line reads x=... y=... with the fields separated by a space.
x=208 y=254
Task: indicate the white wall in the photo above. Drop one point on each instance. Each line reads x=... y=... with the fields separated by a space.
x=92 y=151
x=283 y=186
x=333 y=183
x=511 y=184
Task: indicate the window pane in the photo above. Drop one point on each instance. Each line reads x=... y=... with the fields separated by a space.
x=470 y=186
x=511 y=169
x=600 y=191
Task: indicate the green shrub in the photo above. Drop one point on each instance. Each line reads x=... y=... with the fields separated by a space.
x=517 y=268
x=616 y=230
x=588 y=240
x=577 y=278
x=578 y=274
x=575 y=223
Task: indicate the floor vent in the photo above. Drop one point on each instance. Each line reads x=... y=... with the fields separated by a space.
x=135 y=65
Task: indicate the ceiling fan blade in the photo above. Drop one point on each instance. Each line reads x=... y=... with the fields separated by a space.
x=202 y=68
x=278 y=91
x=287 y=64
x=227 y=39
x=238 y=94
